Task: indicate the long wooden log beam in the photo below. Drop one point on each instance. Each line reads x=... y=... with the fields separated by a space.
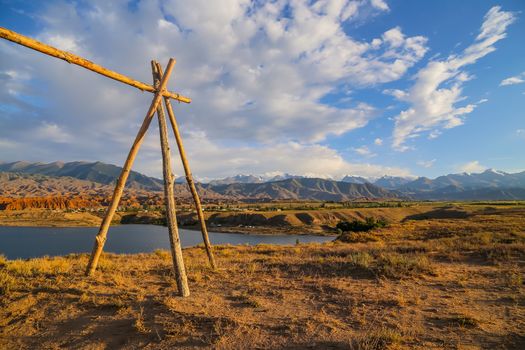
x=126 y=169
x=169 y=197
x=189 y=179
x=82 y=62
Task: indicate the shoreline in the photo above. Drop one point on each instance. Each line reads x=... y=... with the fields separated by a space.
x=216 y=222
x=296 y=222
x=261 y=230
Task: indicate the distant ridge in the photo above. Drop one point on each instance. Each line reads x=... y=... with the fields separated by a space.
x=305 y=188
x=488 y=185
x=23 y=184
x=96 y=172
x=251 y=179
x=490 y=178
x=392 y=182
x=355 y=179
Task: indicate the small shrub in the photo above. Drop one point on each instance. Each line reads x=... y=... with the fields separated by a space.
x=380 y=339
x=462 y=321
x=513 y=278
x=467 y=321
x=370 y=223
x=363 y=260
x=247 y=299
x=139 y=323
x=7 y=283
x=106 y=264
x=3 y=260
x=357 y=237
x=163 y=254
x=399 y=266
x=20 y=268
x=39 y=266
x=253 y=302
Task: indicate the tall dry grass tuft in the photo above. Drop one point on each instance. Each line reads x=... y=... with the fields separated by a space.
x=394 y=265
x=39 y=266
x=7 y=282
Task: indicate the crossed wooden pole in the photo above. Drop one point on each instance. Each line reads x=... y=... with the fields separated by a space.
x=160 y=81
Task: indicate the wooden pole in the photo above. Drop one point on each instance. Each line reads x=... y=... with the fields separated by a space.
x=189 y=179
x=82 y=62
x=119 y=188
x=169 y=197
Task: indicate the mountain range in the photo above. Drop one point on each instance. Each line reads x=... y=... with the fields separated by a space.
x=304 y=188
x=488 y=185
x=490 y=178
x=252 y=179
x=98 y=172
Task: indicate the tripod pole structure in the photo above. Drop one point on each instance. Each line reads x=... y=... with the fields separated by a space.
x=189 y=179
x=169 y=197
x=119 y=188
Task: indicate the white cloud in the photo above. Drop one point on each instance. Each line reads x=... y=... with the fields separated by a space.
x=13 y=81
x=380 y=4
x=434 y=134
x=364 y=151
x=438 y=88
x=6 y=143
x=427 y=163
x=257 y=73
x=472 y=167
x=67 y=43
x=378 y=141
x=518 y=79
x=52 y=132
x=214 y=160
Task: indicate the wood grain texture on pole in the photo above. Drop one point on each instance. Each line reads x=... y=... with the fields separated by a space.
x=169 y=197
x=82 y=62
x=126 y=168
x=189 y=179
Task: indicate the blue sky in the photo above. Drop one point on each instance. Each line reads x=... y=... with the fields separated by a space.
x=324 y=88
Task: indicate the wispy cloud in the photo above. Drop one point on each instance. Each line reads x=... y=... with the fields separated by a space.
x=426 y=163
x=364 y=151
x=6 y=143
x=472 y=167
x=52 y=133
x=380 y=4
x=378 y=141
x=433 y=106
x=517 y=79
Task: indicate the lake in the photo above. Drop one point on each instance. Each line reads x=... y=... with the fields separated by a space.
x=30 y=242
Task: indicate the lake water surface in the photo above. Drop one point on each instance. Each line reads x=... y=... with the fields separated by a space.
x=30 y=242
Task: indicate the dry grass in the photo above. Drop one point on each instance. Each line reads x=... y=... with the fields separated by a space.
x=47 y=217
x=422 y=284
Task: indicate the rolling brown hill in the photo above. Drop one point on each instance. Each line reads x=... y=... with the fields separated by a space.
x=16 y=185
